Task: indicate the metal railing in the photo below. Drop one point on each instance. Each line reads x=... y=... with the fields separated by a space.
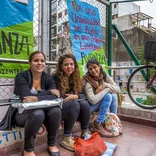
x=6 y=84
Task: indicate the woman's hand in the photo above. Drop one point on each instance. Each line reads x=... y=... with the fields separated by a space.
x=99 y=89
x=30 y=99
x=55 y=92
x=70 y=97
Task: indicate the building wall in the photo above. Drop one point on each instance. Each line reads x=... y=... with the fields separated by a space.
x=122 y=9
x=136 y=38
x=124 y=23
x=128 y=8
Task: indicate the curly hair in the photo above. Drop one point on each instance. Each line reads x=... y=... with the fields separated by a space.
x=75 y=76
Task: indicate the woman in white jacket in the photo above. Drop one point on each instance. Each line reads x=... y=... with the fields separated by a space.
x=101 y=93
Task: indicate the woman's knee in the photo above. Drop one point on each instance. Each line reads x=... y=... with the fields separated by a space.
x=71 y=107
x=38 y=114
x=106 y=101
x=114 y=97
x=114 y=104
x=75 y=106
x=108 y=97
x=55 y=111
x=72 y=112
x=74 y=109
x=84 y=105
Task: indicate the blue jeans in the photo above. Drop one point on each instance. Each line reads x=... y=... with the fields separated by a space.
x=109 y=102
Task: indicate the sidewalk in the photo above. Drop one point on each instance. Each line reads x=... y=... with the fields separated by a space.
x=136 y=140
x=127 y=103
x=132 y=113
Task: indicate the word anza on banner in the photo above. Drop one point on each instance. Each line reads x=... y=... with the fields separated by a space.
x=13 y=43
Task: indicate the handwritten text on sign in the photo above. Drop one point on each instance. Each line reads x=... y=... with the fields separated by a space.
x=85 y=28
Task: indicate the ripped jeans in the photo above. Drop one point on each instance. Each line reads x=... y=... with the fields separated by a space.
x=109 y=102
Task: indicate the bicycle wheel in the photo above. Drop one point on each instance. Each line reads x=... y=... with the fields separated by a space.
x=137 y=87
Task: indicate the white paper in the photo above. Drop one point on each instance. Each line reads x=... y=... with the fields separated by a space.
x=22 y=1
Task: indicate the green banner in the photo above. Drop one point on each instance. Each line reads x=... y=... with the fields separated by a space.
x=16 y=36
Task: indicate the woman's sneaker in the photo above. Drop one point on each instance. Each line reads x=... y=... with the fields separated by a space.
x=98 y=127
x=68 y=142
x=86 y=135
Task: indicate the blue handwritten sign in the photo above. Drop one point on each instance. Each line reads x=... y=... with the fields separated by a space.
x=85 y=32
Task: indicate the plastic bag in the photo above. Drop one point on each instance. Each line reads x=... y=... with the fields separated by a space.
x=39 y=104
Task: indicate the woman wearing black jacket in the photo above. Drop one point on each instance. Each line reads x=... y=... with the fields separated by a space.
x=68 y=82
x=35 y=85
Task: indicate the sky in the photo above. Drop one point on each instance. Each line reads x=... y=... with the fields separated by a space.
x=149 y=9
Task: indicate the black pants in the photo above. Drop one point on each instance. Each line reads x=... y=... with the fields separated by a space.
x=73 y=110
x=32 y=120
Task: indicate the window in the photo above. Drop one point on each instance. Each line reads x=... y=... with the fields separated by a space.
x=53 y=19
x=59 y=28
x=53 y=31
x=59 y=2
x=54 y=7
x=66 y=12
x=60 y=15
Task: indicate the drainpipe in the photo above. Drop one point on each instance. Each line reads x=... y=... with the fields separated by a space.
x=109 y=37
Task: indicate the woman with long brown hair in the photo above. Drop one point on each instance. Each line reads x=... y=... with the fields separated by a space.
x=68 y=82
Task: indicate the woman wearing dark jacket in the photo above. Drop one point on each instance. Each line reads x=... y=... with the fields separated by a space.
x=35 y=85
x=68 y=82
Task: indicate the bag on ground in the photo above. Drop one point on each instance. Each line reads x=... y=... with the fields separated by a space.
x=94 y=146
x=113 y=124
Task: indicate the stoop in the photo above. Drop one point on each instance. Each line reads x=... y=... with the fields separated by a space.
x=132 y=113
x=11 y=142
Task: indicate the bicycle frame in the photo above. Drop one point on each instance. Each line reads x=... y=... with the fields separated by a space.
x=151 y=81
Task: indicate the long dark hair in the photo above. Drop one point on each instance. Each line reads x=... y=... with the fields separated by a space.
x=75 y=76
x=94 y=61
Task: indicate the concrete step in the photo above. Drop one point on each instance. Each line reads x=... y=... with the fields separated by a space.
x=132 y=113
x=11 y=142
x=41 y=150
x=136 y=140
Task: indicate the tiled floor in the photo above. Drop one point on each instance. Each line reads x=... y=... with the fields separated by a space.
x=136 y=140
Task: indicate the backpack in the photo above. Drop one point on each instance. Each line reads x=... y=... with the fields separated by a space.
x=8 y=120
x=113 y=124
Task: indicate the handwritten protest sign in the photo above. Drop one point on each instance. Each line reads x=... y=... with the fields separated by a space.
x=16 y=35
x=86 y=34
